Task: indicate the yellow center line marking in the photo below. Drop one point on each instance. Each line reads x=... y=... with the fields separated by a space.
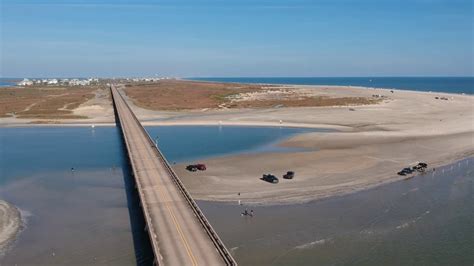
x=175 y=221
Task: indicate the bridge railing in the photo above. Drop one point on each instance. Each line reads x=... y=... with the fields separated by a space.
x=225 y=254
x=151 y=232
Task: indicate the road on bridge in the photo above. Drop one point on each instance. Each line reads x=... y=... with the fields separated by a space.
x=178 y=233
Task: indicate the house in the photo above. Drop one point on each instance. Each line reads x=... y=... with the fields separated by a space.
x=25 y=82
x=52 y=82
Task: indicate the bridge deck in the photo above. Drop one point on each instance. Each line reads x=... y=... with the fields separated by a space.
x=178 y=230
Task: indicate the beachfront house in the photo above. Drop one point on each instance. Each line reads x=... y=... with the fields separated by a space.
x=25 y=82
x=52 y=82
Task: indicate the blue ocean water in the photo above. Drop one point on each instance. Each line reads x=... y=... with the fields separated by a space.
x=438 y=84
x=5 y=82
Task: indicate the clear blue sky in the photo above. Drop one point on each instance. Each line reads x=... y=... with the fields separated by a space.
x=237 y=38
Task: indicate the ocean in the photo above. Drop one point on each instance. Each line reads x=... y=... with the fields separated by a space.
x=438 y=84
x=7 y=82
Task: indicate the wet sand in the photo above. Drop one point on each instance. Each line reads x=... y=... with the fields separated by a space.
x=10 y=224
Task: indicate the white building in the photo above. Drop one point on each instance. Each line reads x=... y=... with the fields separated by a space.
x=25 y=82
x=52 y=82
x=77 y=82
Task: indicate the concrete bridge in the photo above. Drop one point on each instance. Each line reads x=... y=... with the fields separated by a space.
x=179 y=232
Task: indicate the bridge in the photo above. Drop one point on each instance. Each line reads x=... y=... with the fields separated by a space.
x=179 y=232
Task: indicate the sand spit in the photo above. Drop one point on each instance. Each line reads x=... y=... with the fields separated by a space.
x=372 y=144
x=10 y=224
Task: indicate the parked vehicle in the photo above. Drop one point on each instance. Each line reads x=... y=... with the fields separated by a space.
x=420 y=167
x=405 y=171
x=423 y=165
x=270 y=178
x=201 y=166
x=289 y=175
x=195 y=167
x=402 y=173
x=191 y=168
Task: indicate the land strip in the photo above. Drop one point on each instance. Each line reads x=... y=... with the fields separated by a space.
x=379 y=132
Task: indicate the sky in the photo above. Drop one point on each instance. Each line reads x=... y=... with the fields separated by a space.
x=227 y=38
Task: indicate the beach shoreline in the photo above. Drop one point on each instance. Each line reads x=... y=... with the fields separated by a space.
x=10 y=225
x=370 y=144
x=307 y=196
x=163 y=118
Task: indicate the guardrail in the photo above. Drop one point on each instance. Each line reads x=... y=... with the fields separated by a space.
x=151 y=233
x=220 y=247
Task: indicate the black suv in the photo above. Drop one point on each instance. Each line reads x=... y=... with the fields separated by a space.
x=192 y=168
x=270 y=178
x=405 y=171
x=289 y=175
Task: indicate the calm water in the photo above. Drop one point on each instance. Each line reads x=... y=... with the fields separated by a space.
x=5 y=82
x=84 y=217
x=439 y=84
x=187 y=143
x=426 y=220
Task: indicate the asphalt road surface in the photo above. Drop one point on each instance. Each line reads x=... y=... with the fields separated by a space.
x=177 y=235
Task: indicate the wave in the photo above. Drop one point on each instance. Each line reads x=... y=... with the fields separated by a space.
x=412 y=222
x=314 y=243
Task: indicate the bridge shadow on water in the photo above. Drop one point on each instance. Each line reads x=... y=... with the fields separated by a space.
x=141 y=241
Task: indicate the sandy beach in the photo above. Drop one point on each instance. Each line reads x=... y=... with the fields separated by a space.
x=10 y=224
x=372 y=143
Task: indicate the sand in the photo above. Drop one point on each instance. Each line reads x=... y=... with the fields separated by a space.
x=10 y=223
x=372 y=144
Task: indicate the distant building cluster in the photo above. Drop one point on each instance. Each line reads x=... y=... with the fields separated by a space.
x=64 y=82
x=146 y=79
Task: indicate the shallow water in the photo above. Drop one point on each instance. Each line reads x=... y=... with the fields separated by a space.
x=187 y=143
x=426 y=220
x=91 y=214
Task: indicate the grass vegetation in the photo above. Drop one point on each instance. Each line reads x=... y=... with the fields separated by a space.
x=175 y=95
x=43 y=102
